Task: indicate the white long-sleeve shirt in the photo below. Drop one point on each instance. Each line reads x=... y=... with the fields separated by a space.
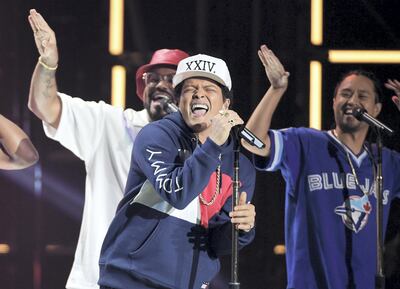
x=102 y=136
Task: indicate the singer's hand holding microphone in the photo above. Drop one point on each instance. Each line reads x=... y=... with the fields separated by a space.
x=222 y=124
x=242 y=131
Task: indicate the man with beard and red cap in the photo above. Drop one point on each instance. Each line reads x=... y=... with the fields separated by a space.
x=99 y=134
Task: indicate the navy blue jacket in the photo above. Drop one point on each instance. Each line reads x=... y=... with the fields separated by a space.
x=163 y=236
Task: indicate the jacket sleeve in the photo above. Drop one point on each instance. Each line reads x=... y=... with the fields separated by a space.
x=221 y=226
x=157 y=155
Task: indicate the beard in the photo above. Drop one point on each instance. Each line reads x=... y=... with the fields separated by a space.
x=199 y=127
x=156 y=112
x=347 y=123
x=155 y=109
x=347 y=128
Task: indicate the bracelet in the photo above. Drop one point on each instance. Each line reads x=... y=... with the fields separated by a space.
x=45 y=65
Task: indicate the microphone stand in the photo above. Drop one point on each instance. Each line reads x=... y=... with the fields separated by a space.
x=362 y=115
x=234 y=283
x=238 y=132
x=379 y=277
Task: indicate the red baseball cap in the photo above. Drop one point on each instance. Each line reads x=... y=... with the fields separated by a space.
x=160 y=57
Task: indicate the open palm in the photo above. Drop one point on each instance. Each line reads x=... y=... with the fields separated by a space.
x=394 y=85
x=275 y=71
x=45 y=38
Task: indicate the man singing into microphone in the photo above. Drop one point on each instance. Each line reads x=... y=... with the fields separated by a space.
x=330 y=207
x=175 y=219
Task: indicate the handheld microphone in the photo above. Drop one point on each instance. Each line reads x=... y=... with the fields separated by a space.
x=250 y=137
x=362 y=115
x=168 y=105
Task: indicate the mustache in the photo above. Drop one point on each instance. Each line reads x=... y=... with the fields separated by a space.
x=162 y=93
x=349 y=108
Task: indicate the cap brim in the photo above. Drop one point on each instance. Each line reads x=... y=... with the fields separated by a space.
x=190 y=74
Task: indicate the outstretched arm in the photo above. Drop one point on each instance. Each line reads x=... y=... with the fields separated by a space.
x=260 y=119
x=43 y=98
x=17 y=151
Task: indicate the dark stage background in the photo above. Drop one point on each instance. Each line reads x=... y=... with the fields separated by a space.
x=41 y=207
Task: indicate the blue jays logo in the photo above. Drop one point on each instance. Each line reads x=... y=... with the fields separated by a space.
x=355 y=211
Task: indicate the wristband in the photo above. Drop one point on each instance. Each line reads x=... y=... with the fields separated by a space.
x=45 y=65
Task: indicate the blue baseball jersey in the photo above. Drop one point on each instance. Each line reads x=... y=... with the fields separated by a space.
x=330 y=221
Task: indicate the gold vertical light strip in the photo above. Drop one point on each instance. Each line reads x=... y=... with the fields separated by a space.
x=118 y=86
x=317 y=17
x=5 y=249
x=116 y=33
x=364 y=56
x=280 y=249
x=315 y=94
x=116 y=47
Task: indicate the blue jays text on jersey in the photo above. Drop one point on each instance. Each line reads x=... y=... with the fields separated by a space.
x=333 y=180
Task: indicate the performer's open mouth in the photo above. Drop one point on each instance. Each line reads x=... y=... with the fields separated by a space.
x=199 y=109
x=347 y=110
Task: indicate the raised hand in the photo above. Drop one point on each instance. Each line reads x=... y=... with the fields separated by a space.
x=275 y=71
x=45 y=39
x=395 y=86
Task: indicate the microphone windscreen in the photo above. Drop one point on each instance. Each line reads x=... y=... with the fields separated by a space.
x=168 y=105
x=358 y=112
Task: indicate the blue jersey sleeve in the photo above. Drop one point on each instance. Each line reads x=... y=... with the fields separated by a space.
x=288 y=153
x=156 y=155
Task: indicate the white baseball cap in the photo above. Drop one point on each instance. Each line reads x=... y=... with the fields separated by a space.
x=202 y=65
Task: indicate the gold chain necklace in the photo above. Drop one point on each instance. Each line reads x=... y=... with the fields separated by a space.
x=217 y=187
x=353 y=170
